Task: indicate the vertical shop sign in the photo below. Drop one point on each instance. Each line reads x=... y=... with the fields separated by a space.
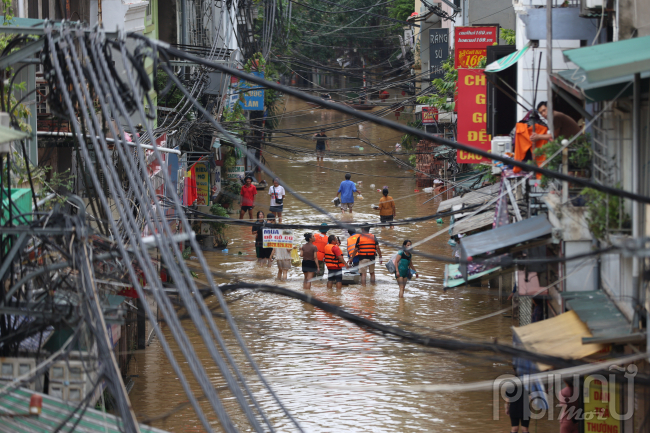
x=472 y=117
x=202 y=183
x=438 y=52
x=470 y=45
x=602 y=406
x=217 y=181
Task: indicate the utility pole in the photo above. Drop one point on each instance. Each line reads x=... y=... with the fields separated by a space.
x=365 y=96
x=549 y=91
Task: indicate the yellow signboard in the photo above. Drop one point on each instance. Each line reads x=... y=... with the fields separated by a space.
x=202 y=183
x=602 y=406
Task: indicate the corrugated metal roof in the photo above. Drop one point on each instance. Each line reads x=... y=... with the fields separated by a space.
x=475 y=222
x=479 y=196
x=505 y=236
x=601 y=315
x=53 y=413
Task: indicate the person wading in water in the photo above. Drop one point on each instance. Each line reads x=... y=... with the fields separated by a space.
x=248 y=192
x=322 y=144
x=403 y=263
x=365 y=249
x=310 y=265
x=321 y=240
x=335 y=263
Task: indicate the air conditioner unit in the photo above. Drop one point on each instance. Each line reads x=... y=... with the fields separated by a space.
x=72 y=380
x=12 y=368
x=588 y=7
x=593 y=4
x=501 y=145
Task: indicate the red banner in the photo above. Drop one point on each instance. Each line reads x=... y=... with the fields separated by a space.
x=470 y=45
x=429 y=115
x=472 y=117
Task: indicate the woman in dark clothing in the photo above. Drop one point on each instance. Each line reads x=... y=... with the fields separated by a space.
x=310 y=265
x=265 y=253
x=517 y=407
x=257 y=231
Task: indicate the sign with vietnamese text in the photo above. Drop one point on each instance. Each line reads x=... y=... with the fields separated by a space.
x=429 y=115
x=438 y=52
x=602 y=406
x=236 y=172
x=254 y=98
x=277 y=238
x=472 y=117
x=202 y=183
x=470 y=45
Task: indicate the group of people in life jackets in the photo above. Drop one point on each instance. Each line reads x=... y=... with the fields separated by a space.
x=362 y=249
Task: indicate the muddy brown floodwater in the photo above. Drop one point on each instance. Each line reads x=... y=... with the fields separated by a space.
x=311 y=358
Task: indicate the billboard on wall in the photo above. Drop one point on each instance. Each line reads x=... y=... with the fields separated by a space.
x=472 y=117
x=438 y=52
x=470 y=45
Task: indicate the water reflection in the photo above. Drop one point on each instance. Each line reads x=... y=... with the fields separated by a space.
x=301 y=348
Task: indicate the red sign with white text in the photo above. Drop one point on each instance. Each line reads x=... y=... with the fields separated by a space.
x=472 y=115
x=470 y=45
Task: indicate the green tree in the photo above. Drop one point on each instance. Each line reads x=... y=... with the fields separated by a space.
x=401 y=9
x=509 y=36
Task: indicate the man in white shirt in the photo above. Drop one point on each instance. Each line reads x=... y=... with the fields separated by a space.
x=277 y=199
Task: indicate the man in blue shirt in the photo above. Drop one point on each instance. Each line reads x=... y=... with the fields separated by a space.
x=347 y=190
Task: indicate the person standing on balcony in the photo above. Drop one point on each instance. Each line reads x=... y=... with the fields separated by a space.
x=564 y=125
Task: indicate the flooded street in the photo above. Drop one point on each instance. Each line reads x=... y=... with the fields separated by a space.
x=312 y=358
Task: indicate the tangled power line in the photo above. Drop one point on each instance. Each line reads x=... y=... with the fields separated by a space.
x=81 y=72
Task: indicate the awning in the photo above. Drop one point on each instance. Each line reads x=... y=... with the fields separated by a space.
x=560 y=336
x=454 y=278
x=575 y=82
x=603 y=318
x=480 y=196
x=612 y=60
x=507 y=61
x=55 y=412
x=476 y=222
x=9 y=134
x=503 y=237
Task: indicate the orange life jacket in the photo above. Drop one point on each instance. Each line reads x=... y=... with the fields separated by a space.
x=367 y=244
x=320 y=240
x=352 y=241
x=331 y=260
x=523 y=143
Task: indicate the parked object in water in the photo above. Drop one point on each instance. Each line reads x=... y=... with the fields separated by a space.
x=351 y=277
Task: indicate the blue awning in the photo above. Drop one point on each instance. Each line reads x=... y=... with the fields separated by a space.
x=503 y=237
